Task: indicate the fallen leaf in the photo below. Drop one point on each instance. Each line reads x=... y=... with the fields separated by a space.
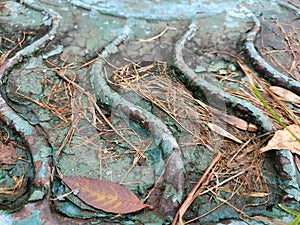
x=215 y=128
x=235 y=121
x=105 y=195
x=286 y=95
x=282 y=139
x=232 y=120
x=252 y=127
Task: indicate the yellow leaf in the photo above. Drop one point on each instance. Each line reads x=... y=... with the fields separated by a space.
x=282 y=139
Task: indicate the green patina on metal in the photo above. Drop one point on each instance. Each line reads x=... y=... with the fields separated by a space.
x=117 y=31
x=14 y=169
x=33 y=219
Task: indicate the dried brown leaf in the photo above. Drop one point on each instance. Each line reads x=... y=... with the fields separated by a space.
x=252 y=127
x=234 y=121
x=105 y=195
x=283 y=139
x=286 y=95
x=215 y=128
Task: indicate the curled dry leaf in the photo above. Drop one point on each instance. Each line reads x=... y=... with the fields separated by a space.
x=283 y=139
x=105 y=195
x=286 y=95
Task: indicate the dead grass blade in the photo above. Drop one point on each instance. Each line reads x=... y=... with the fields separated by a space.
x=193 y=194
